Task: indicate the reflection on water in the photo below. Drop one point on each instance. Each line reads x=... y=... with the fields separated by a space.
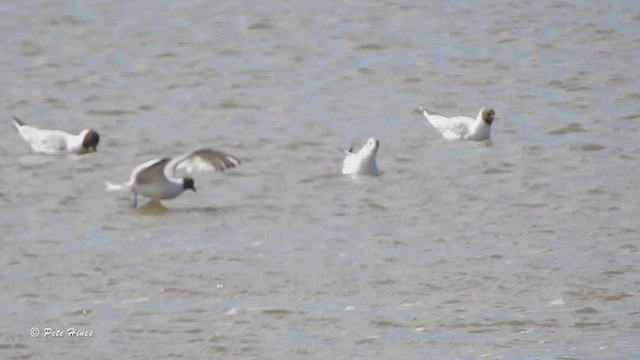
x=152 y=208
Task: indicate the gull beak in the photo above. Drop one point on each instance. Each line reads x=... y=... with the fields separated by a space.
x=194 y=189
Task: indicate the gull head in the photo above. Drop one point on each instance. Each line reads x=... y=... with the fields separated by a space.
x=371 y=147
x=187 y=183
x=90 y=140
x=488 y=115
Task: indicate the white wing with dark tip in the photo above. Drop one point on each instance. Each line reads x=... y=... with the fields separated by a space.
x=201 y=160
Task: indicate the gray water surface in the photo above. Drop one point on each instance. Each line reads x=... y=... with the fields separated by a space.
x=522 y=248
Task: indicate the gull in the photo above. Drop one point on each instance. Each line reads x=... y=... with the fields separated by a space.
x=463 y=127
x=56 y=142
x=156 y=179
x=364 y=161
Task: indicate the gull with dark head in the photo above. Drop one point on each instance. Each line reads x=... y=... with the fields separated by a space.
x=56 y=142
x=362 y=162
x=156 y=179
x=463 y=127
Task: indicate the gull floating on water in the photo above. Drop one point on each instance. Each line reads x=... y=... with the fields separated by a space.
x=364 y=161
x=156 y=179
x=55 y=142
x=463 y=127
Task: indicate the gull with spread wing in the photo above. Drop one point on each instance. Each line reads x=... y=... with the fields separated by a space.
x=156 y=179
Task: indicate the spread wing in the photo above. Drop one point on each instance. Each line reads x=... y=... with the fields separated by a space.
x=151 y=172
x=201 y=160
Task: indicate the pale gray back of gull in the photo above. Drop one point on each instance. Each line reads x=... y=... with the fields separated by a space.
x=156 y=179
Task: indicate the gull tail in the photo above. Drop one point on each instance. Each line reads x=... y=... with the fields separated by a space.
x=117 y=187
x=345 y=151
x=423 y=109
x=430 y=117
x=17 y=122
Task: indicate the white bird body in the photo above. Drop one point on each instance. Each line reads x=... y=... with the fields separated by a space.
x=156 y=178
x=56 y=142
x=364 y=161
x=149 y=179
x=463 y=127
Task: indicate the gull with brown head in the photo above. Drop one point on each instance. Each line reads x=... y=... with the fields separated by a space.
x=463 y=127
x=57 y=142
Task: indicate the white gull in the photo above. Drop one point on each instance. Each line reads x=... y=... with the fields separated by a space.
x=55 y=142
x=463 y=127
x=362 y=162
x=156 y=179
